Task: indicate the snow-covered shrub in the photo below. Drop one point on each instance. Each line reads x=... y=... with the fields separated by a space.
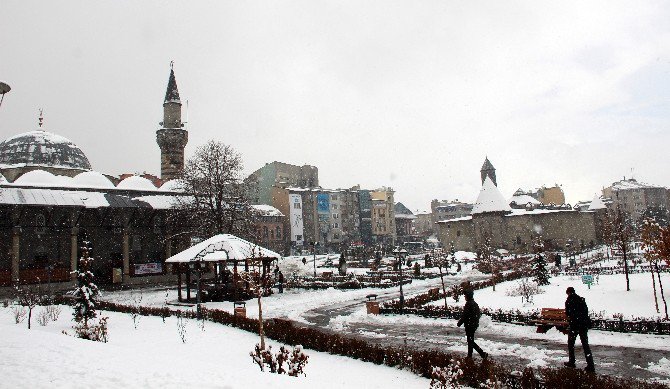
x=446 y=377
x=295 y=360
x=181 y=328
x=19 y=313
x=96 y=332
x=43 y=317
x=526 y=289
x=54 y=312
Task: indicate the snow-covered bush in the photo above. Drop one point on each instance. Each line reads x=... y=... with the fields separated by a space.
x=96 y=332
x=43 y=317
x=446 y=377
x=54 y=312
x=295 y=360
x=19 y=313
x=526 y=289
x=86 y=292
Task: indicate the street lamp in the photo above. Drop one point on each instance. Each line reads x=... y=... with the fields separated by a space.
x=196 y=266
x=314 y=244
x=400 y=258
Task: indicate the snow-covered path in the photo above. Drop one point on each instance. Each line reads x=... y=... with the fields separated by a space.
x=629 y=355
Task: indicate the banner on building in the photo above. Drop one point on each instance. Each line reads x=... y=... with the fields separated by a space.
x=323 y=203
x=148 y=268
x=295 y=217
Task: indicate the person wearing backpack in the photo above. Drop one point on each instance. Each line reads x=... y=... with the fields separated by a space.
x=470 y=317
x=579 y=323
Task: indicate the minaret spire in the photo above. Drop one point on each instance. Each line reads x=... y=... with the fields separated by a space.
x=40 y=119
x=172 y=138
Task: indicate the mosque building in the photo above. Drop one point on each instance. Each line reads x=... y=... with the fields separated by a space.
x=52 y=202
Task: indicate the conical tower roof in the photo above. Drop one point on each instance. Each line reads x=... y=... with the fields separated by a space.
x=597 y=204
x=172 y=93
x=490 y=199
x=487 y=165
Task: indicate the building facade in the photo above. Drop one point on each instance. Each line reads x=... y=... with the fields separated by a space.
x=282 y=175
x=635 y=198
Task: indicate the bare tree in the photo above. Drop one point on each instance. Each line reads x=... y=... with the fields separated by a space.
x=656 y=241
x=259 y=282
x=488 y=261
x=29 y=297
x=620 y=233
x=217 y=199
x=648 y=235
x=442 y=261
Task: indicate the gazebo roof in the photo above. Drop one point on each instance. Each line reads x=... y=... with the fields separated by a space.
x=220 y=248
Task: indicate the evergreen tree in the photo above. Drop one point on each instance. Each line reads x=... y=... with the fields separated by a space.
x=540 y=264
x=86 y=293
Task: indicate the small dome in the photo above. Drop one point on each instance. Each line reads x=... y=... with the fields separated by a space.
x=173 y=186
x=136 y=183
x=41 y=148
x=38 y=178
x=92 y=179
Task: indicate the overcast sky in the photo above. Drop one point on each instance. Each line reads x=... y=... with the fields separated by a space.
x=407 y=94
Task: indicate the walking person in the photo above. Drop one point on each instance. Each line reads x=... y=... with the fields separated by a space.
x=280 y=278
x=470 y=318
x=579 y=323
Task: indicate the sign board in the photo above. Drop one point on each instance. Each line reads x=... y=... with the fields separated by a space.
x=148 y=268
x=295 y=217
x=322 y=203
x=587 y=279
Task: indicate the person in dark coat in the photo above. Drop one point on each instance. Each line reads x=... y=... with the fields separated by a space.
x=470 y=318
x=579 y=322
x=280 y=278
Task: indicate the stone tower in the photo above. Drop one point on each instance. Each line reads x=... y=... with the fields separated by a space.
x=171 y=138
x=488 y=171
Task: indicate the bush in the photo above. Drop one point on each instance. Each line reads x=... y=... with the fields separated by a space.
x=96 y=332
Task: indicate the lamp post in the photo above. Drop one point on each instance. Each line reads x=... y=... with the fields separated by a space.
x=400 y=258
x=314 y=244
x=196 y=266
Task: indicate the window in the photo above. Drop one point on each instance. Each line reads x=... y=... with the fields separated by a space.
x=333 y=197
x=458 y=233
x=265 y=231
x=336 y=216
x=296 y=205
x=278 y=233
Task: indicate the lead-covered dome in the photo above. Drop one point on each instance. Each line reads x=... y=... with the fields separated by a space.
x=44 y=149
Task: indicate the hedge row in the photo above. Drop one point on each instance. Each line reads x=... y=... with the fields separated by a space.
x=419 y=362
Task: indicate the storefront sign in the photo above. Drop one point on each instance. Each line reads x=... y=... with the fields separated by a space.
x=148 y=268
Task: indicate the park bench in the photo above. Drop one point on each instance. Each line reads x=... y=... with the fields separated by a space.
x=552 y=317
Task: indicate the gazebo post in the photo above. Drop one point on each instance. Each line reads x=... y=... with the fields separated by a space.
x=179 y=282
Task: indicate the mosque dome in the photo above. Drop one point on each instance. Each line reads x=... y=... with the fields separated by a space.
x=42 y=149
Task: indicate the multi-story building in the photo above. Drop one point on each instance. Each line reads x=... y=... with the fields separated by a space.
x=423 y=224
x=446 y=210
x=404 y=224
x=270 y=225
x=382 y=216
x=330 y=217
x=547 y=196
x=636 y=198
x=282 y=175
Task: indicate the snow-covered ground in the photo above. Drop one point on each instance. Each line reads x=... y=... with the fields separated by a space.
x=154 y=356
x=608 y=297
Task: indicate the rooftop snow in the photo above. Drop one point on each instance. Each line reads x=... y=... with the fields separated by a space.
x=267 y=210
x=597 y=203
x=136 y=183
x=523 y=200
x=490 y=199
x=631 y=184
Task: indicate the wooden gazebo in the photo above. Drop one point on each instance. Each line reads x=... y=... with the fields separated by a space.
x=218 y=253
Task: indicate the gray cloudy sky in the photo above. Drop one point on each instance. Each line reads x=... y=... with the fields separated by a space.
x=408 y=94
